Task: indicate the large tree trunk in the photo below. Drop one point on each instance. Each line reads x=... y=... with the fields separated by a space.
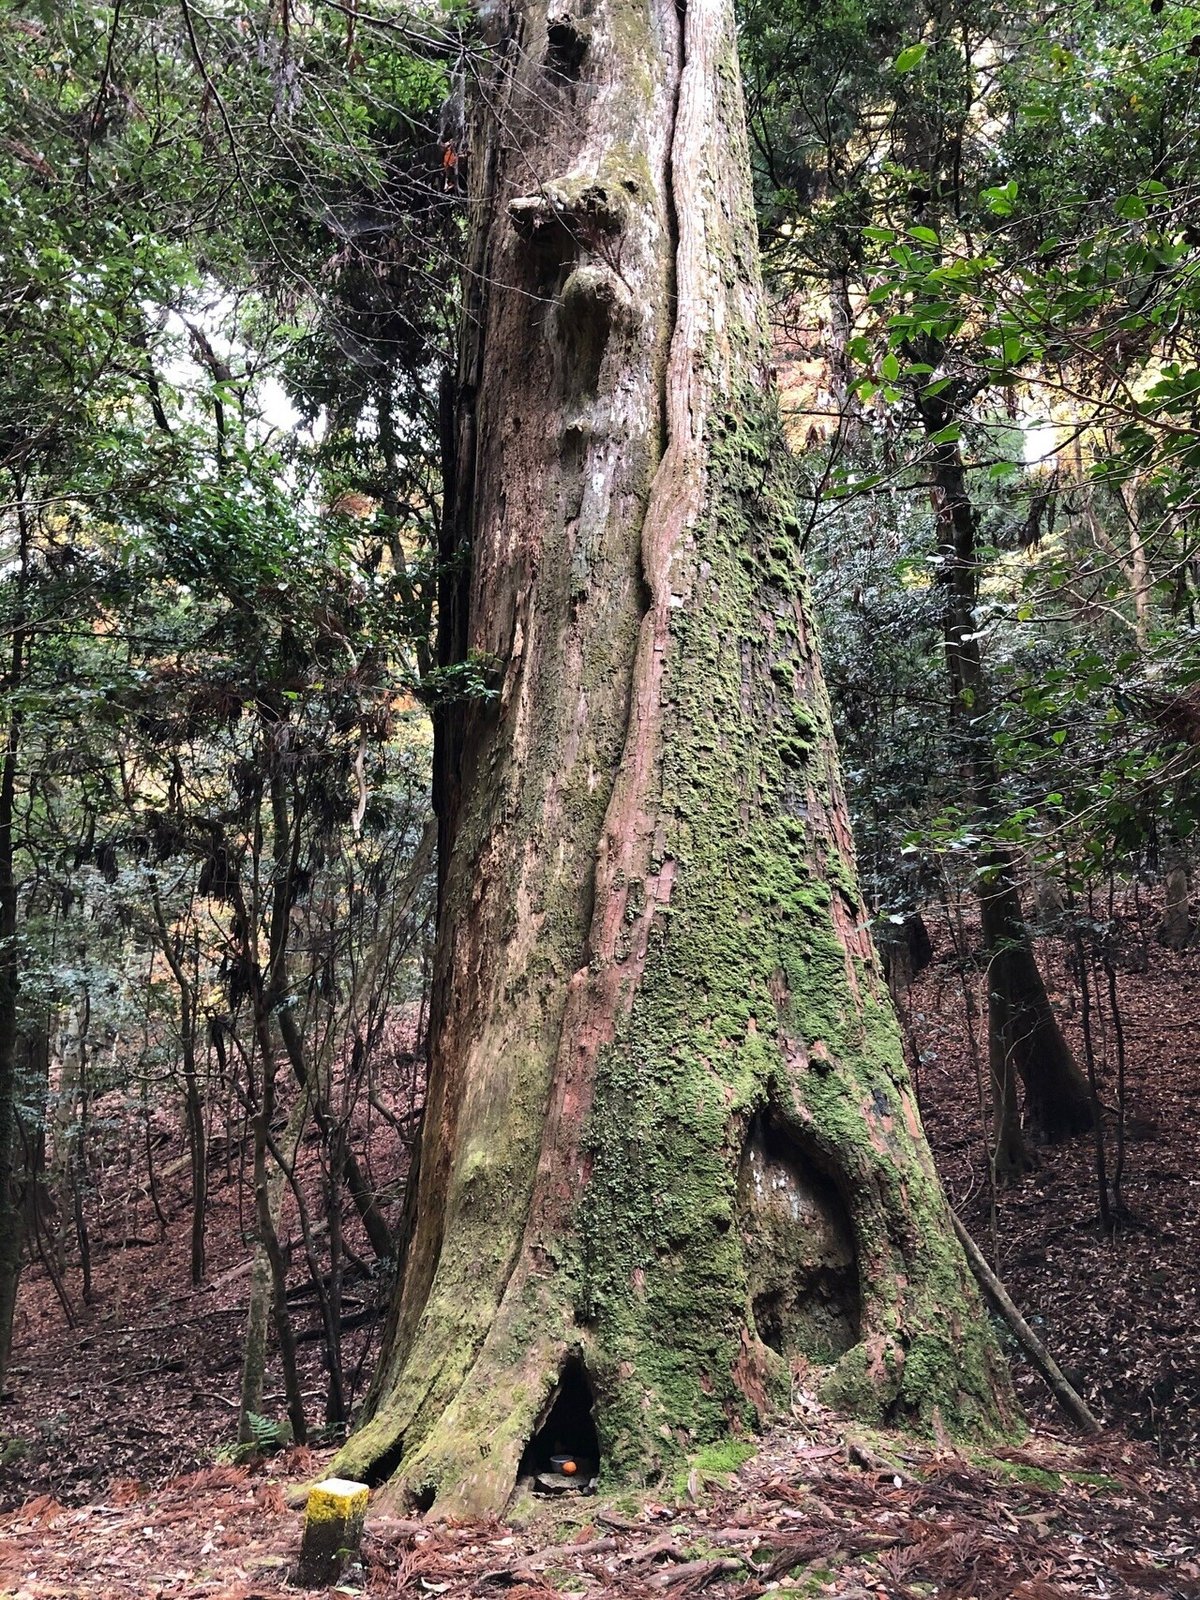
x=670 y=1147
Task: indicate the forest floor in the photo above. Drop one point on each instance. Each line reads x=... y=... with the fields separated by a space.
x=111 y=1482
x=1120 y=1314
x=818 y=1510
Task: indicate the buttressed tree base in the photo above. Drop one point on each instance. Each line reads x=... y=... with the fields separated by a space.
x=670 y=1147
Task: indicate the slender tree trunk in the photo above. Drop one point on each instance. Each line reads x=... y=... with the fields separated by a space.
x=670 y=1146
x=254 y=1345
x=268 y=1272
x=1137 y=565
x=1009 y=1155
x=270 y=998
x=193 y=1106
x=1114 y=1006
x=78 y=1180
x=1083 y=959
x=10 y=1211
x=193 y=1114
x=366 y=1202
x=1024 y=1035
x=193 y=1103
x=335 y=1398
x=268 y=1194
x=66 y=1092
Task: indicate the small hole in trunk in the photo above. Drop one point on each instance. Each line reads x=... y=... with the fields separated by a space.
x=564 y=1453
x=384 y=1465
x=566 y=46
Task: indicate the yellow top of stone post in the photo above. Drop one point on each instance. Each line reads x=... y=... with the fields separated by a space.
x=346 y=1495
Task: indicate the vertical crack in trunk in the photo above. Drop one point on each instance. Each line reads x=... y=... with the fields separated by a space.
x=629 y=891
x=604 y=985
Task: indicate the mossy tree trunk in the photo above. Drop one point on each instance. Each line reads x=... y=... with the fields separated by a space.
x=669 y=1135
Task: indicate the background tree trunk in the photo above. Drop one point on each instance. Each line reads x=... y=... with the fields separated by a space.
x=669 y=1146
x=10 y=969
x=1023 y=1033
x=1174 y=931
x=174 y=951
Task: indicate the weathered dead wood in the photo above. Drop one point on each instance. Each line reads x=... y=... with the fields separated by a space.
x=1068 y=1398
x=823 y=1546
x=664 y=1545
x=527 y=1566
x=613 y=1519
x=695 y=1573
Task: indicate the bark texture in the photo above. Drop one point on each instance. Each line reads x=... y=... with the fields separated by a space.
x=10 y=969
x=1175 y=929
x=669 y=1134
x=1025 y=1041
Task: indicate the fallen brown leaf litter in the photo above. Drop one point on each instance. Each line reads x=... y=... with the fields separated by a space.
x=1121 y=1315
x=145 y=1384
x=817 y=1511
x=112 y=1416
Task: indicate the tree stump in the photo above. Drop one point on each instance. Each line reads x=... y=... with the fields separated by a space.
x=333 y=1524
x=1175 y=928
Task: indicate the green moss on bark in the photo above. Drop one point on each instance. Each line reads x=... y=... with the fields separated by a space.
x=750 y=998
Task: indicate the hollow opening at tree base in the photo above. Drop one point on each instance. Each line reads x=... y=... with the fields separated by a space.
x=799 y=1242
x=564 y=1453
x=421 y=1500
x=382 y=1468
